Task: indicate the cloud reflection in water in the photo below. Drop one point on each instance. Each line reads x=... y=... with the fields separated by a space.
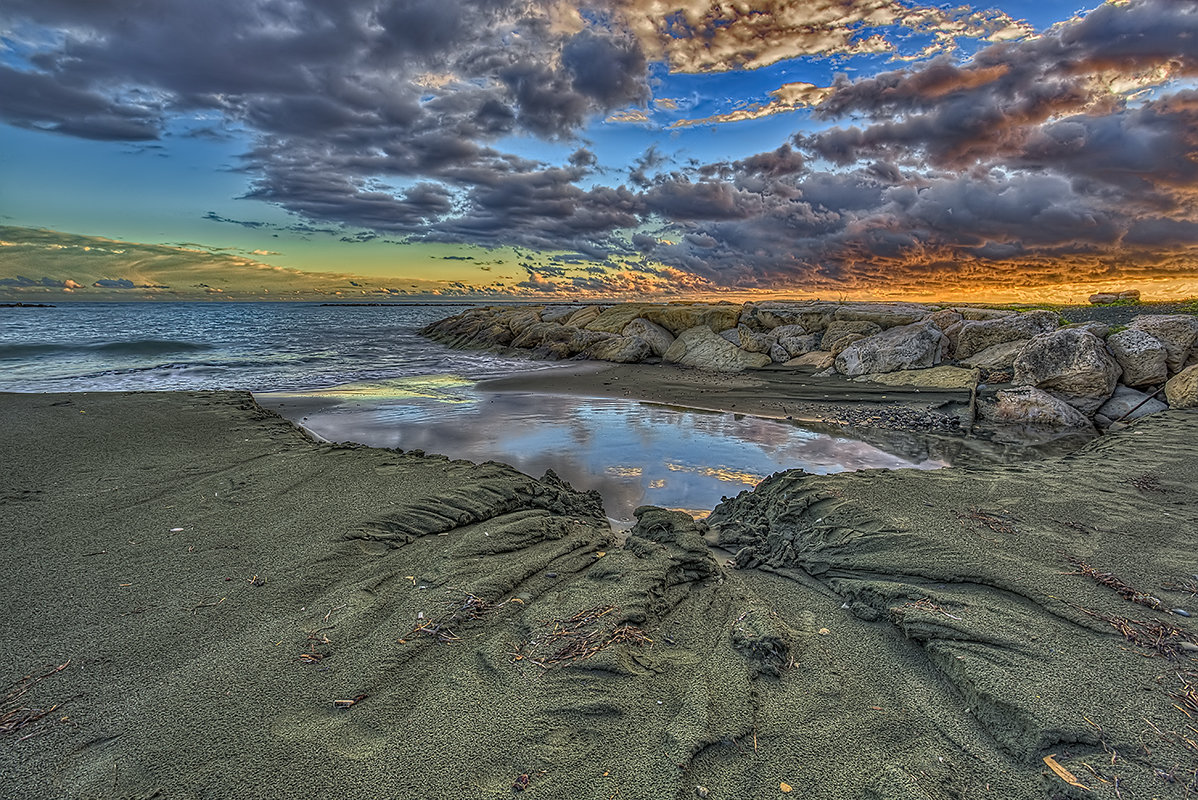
x=632 y=453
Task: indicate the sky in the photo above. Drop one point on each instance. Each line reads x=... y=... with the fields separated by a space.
x=655 y=149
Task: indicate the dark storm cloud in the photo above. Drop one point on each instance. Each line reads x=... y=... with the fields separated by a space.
x=36 y=100
x=386 y=117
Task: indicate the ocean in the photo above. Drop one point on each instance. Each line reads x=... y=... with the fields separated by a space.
x=138 y=346
x=364 y=374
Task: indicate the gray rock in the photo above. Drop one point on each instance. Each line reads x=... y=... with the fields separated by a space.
x=557 y=313
x=818 y=359
x=1141 y=355
x=621 y=349
x=731 y=336
x=583 y=317
x=1177 y=332
x=701 y=347
x=999 y=357
x=976 y=336
x=582 y=340
x=884 y=315
x=798 y=345
x=659 y=338
x=1182 y=389
x=783 y=331
x=945 y=318
x=778 y=354
x=539 y=333
x=844 y=341
x=838 y=329
x=975 y=314
x=905 y=347
x=1128 y=404
x=942 y=377
x=1071 y=364
x=1099 y=329
x=753 y=342
x=813 y=316
x=1029 y=406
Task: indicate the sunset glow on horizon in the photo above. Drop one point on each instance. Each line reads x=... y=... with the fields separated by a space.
x=619 y=149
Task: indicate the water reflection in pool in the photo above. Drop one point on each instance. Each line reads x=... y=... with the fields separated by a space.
x=632 y=453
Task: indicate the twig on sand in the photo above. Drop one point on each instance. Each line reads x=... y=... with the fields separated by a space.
x=1165 y=639
x=577 y=637
x=997 y=522
x=468 y=608
x=1109 y=580
x=14 y=715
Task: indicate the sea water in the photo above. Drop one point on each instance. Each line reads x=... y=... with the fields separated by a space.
x=364 y=374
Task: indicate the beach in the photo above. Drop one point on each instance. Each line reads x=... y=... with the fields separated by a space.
x=209 y=603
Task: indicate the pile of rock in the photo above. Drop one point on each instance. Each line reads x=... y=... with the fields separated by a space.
x=1106 y=298
x=1071 y=376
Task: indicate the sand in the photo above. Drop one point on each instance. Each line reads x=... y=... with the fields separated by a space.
x=336 y=621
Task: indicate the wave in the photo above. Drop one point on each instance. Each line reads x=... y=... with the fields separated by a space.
x=137 y=347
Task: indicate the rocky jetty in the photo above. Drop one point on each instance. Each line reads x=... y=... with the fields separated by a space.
x=1024 y=367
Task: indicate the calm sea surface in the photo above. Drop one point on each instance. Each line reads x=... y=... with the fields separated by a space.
x=363 y=374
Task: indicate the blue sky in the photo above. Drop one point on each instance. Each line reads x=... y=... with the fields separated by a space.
x=627 y=147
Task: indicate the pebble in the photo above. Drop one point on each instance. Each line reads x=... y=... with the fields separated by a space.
x=1181 y=612
x=1189 y=647
x=701 y=791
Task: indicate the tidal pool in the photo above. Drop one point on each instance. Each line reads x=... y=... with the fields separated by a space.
x=633 y=453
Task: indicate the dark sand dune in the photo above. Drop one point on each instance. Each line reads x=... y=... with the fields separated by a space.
x=888 y=635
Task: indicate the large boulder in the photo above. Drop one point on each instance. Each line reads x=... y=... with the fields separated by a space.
x=998 y=357
x=942 y=377
x=1071 y=364
x=1128 y=404
x=1029 y=406
x=817 y=359
x=1141 y=355
x=558 y=313
x=621 y=349
x=613 y=320
x=539 y=333
x=583 y=317
x=701 y=347
x=659 y=338
x=974 y=314
x=945 y=318
x=1182 y=389
x=905 y=347
x=678 y=318
x=813 y=316
x=783 y=331
x=798 y=345
x=752 y=341
x=840 y=329
x=1177 y=332
x=884 y=315
x=1099 y=329
x=977 y=335
x=582 y=340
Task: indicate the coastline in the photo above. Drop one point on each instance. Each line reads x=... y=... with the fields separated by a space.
x=329 y=619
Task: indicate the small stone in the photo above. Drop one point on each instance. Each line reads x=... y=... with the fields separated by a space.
x=1181 y=612
x=1189 y=647
x=824 y=631
x=701 y=791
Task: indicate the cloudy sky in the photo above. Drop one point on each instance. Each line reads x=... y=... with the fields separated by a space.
x=1022 y=150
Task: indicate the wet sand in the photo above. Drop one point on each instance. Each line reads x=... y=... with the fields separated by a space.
x=244 y=612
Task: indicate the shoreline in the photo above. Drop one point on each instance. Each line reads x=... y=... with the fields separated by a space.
x=239 y=606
